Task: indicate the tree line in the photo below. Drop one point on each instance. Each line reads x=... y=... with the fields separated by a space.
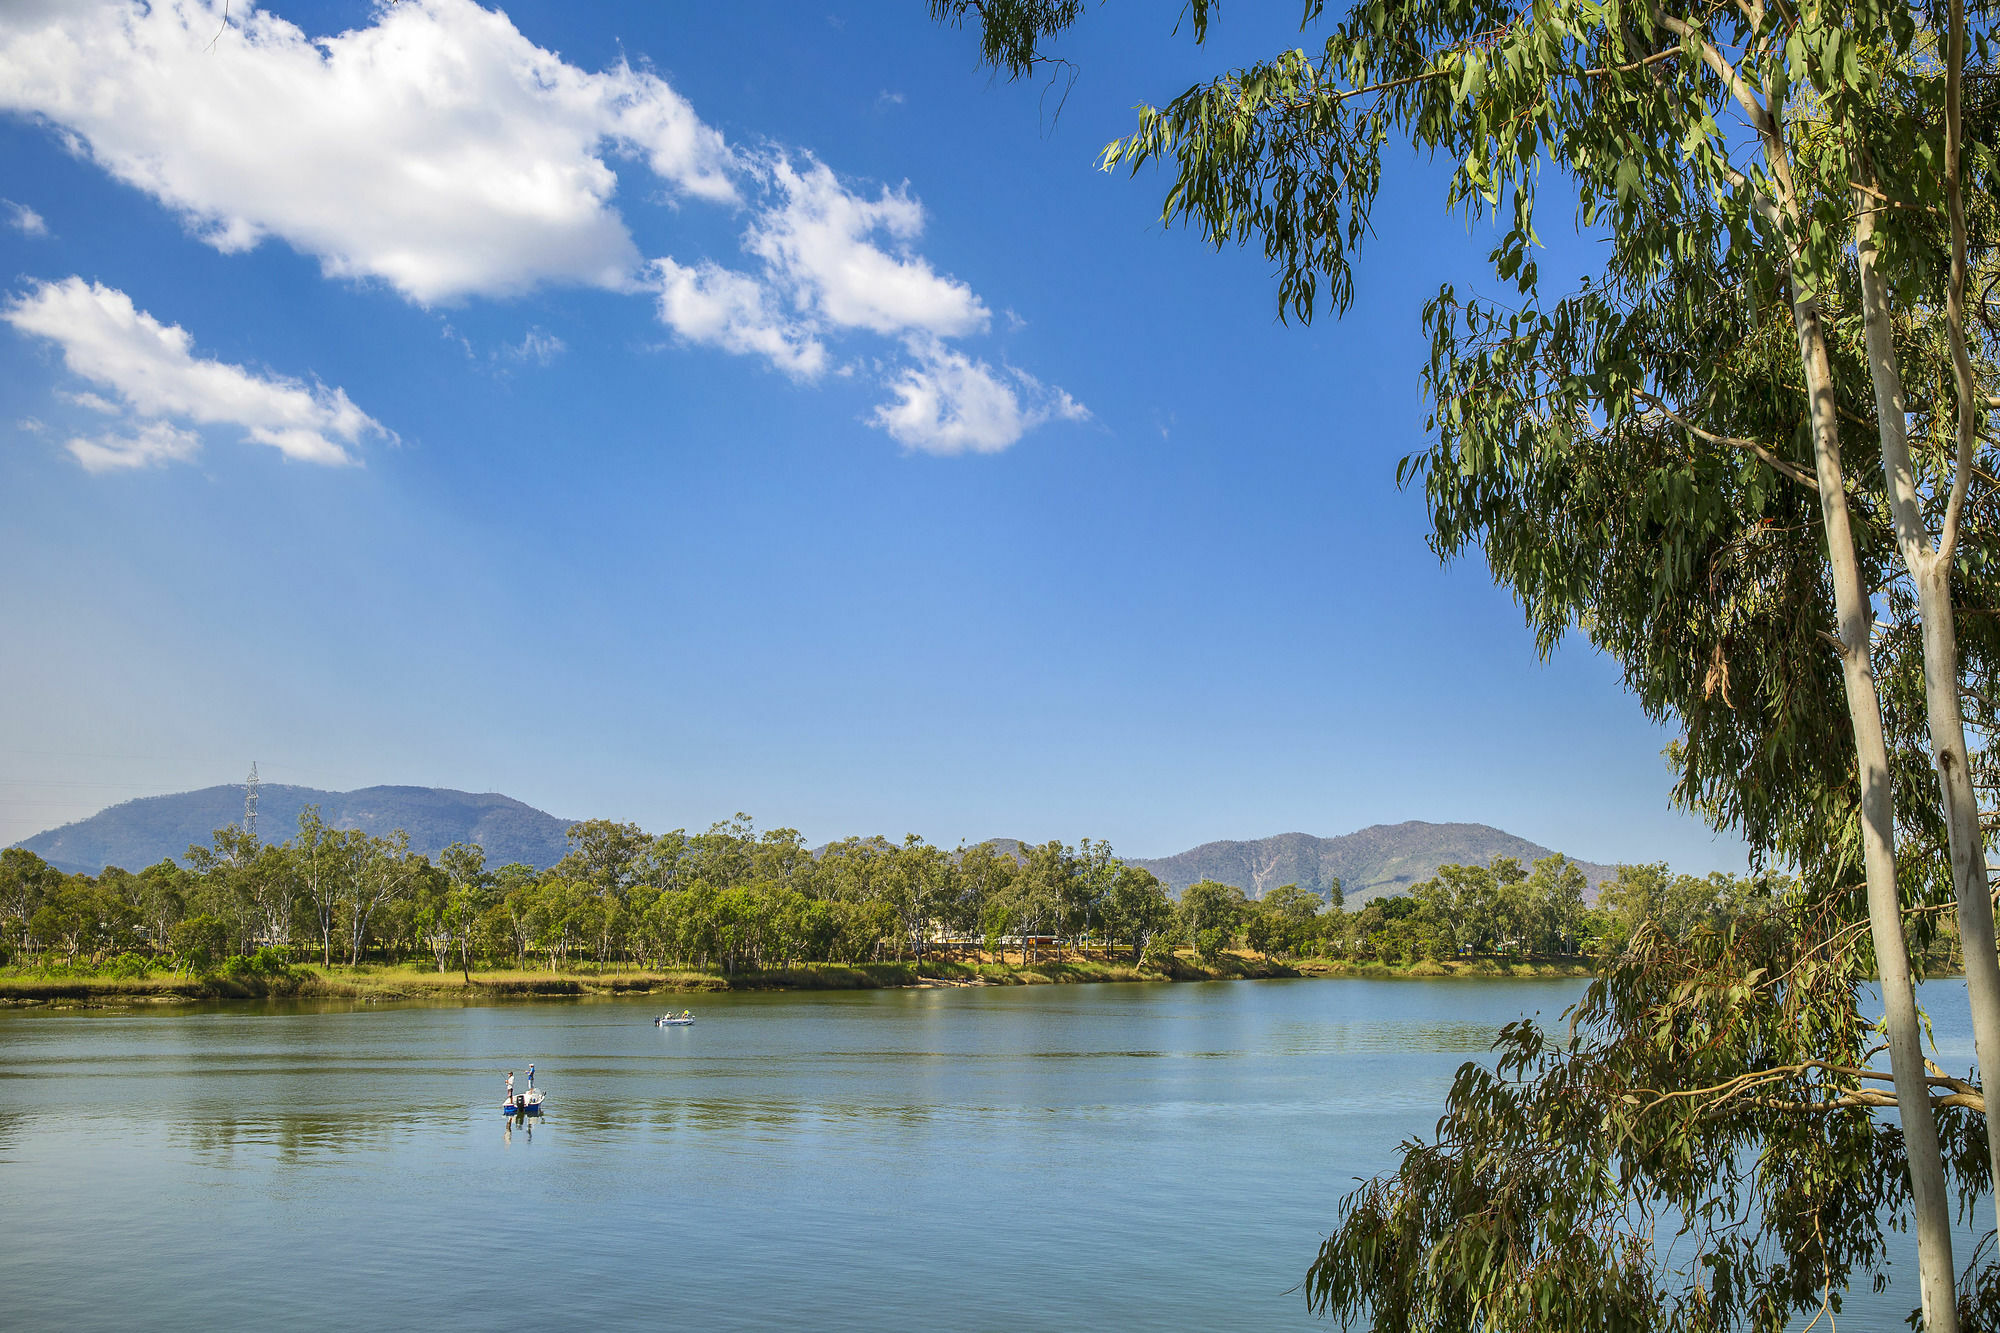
x=736 y=898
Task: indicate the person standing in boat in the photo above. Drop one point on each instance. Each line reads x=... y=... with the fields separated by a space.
x=531 y=1074
x=510 y=1085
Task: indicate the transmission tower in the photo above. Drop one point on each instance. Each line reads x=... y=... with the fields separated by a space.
x=250 y=803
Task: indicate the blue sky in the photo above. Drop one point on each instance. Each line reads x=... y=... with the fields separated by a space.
x=659 y=411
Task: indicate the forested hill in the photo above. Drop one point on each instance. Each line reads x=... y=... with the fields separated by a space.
x=1385 y=859
x=140 y=833
x=1377 y=861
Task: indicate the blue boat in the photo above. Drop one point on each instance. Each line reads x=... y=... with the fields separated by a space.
x=523 y=1103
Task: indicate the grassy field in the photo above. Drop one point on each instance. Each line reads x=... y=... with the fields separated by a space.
x=1457 y=967
x=369 y=981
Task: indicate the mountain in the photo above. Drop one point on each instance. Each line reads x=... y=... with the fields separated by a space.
x=1374 y=863
x=140 y=833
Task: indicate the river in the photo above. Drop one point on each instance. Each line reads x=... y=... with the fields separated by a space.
x=1162 y=1156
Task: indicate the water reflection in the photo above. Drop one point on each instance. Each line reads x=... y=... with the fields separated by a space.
x=210 y=1128
x=1054 y=1158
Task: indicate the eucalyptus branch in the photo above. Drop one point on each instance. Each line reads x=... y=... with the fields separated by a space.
x=1711 y=55
x=1967 y=1094
x=1770 y=459
x=1954 y=200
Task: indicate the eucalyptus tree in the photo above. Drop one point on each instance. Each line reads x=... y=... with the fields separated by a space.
x=665 y=864
x=1554 y=1168
x=25 y=881
x=247 y=884
x=919 y=885
x=271 y=891
x=199 y=942
x=983 y=881
x=1045 y=889
x=159 y=894
x=1555 y=887
x=1650 y=415
x=1900 y=154
x=606 y=853
x=1095 y=870
x=1209 y=914
x=722 y=856
x=467 y=884
x=326 y=859
x=781 y=855
x=1292 y=914
x=1138 y=908
x=68 y=917
x=381 y=871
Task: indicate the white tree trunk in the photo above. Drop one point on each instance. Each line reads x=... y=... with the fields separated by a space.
x=1929 y=1198
x=1930 y=569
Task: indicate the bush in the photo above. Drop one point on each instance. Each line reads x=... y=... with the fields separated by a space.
x=129 y=967
x=197 y=941
x=266 y=962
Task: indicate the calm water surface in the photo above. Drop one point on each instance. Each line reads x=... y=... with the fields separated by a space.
x=1055 y=1157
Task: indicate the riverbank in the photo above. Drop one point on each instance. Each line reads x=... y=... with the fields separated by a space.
x=407 y=982
x=1469 y=968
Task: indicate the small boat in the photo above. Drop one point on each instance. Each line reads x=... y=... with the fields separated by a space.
x=680 y=1020
x=526 y=1102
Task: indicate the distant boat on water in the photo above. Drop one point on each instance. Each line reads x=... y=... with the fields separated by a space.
x=681 y=1020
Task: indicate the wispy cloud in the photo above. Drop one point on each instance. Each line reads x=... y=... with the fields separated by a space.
x=153 y=443
x=93 y=401
x=153 y=370
x=949 y=403
x=24 y=219
x=736 y=312
x=536 y=345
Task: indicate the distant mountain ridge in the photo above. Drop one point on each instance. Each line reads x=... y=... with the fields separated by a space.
x=136 y=834
x=1371 y=863
x=1375 y=862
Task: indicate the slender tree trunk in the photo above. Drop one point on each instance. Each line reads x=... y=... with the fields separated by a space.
x=1930 y=569
x=1937 y=1275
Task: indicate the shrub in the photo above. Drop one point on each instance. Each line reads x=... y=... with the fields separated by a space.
x=129 y=967
x=266 y=962
x=197 y=941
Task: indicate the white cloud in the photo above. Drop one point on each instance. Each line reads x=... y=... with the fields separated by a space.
x=95 y=402
x=831 y=260
x=24 y=219
x=440 y=151
x=155 y=442
x=818 y=242
x=949 y=403
x=437 y=149
x=152 y=367
x=538 y=346
x=709 y=304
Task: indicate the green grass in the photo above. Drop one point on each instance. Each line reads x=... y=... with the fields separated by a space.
x=407 y=981
x=1456 y=967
